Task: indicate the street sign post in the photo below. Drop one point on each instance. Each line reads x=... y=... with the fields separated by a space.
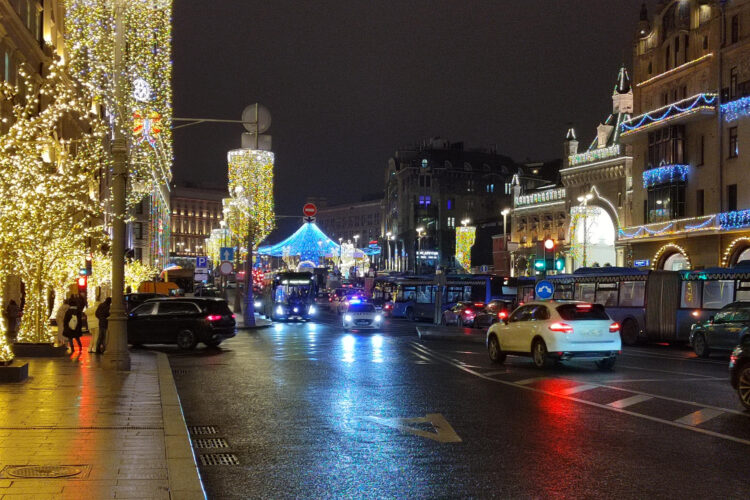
x=226 y=253
x=309 y=210
x=201 y=262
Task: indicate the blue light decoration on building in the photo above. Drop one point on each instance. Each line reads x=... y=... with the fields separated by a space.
x=309 y=243
x=734 y=220
x=691 y=104
x=737 y=109
x=664 y=174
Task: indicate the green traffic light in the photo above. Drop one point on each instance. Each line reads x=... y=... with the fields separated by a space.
x=559 y=264
x=540 y=264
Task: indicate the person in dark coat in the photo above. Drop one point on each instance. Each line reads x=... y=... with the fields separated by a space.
x=12 y=313
x=73 y=331
x=102 y=314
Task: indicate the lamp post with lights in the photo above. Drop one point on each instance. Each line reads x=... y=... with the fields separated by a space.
x=583 y=200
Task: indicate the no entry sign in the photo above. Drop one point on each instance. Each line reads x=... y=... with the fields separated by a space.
x=309 y=210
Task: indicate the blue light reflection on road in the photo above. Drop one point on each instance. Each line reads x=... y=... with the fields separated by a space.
x=348 y=342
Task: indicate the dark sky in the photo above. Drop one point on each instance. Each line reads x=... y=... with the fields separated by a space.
x=350 y=81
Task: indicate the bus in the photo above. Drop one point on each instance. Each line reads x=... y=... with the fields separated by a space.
x=656 y=305
x=413 y=297
x=289 y=295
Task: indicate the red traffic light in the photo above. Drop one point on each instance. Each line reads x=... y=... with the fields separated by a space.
x=82 y=281
x=549 y=244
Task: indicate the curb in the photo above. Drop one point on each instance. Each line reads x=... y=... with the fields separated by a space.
x=453 y=335
x=184 y=478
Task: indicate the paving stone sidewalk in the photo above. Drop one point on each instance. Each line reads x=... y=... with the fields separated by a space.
x=123 y=431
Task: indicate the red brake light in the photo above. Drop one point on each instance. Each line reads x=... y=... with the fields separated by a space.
x=559 y=326
x=614 y=327
x=584 y=306
x=478 y=304
x=502 y=314
x=213 y=317
x=234 y=316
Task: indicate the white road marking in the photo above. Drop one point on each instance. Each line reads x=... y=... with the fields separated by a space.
x=492 y=374
x=528 y=381
x=578 y=388
x=444 y=433
x=700 y=416
x=624 y=403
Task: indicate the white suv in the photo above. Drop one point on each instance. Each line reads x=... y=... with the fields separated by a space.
x=556 y=330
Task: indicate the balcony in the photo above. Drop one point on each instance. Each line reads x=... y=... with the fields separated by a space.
x=687 y=110
x=724 y=222
x=665 y=174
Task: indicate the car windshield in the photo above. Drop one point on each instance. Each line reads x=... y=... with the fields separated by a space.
x=361 y=308
x=582 y=312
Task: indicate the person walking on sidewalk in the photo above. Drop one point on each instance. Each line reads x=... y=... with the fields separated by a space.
x=102 y=314
x=72 y=324
x=60 y=319
x=12 y=313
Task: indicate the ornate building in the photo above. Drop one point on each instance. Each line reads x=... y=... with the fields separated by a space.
x=692 y=81
x=195 y=213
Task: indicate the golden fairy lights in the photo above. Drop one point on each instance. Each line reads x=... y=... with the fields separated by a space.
x=251 y=188
x=465 y=237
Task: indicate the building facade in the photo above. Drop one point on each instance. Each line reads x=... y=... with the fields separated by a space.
x=691 y=74
x=436 y=188
x=195 y=213
x=345 y=222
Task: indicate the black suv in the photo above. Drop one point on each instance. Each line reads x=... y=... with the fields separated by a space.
x=739 y=370
x=133 y=300
x=184 y=321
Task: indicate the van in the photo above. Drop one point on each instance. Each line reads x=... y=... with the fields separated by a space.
x=161 y=287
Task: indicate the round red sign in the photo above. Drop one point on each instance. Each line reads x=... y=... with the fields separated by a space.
x=310 y=210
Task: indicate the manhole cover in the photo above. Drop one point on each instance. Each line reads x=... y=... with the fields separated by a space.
x=43 y=471
x=219 y=459
x=203 y=429
x=211 y=443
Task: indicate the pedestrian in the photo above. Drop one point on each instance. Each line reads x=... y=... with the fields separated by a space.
x=102 y=314
x=60 y=320
x=12 y=313
x=72 y=324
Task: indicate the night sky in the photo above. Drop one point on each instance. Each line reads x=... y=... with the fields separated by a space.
x=349 y=81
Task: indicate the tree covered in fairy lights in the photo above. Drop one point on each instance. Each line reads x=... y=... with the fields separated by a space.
x=48 y=188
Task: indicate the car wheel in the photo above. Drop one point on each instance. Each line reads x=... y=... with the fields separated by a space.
x=743 y=385
x=629 y=332
x=539 y=354
x=700 y=346
x=606 y=363
x=186 y=340
x=496 y=353
x=410 y=314
x=213 y=343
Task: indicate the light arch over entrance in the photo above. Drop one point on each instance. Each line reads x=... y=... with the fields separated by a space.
x=671 y=257
x=592 y=236
x=736 y=251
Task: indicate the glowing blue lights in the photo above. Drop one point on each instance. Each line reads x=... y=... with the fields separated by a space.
x=665 y=174
x=702 y=225
x=737 y=109
x=734 y=220
x=308 y=242
x=691 y=104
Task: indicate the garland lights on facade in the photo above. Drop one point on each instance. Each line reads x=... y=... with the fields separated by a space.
x=735 y=110
x=730 y=249
x=665 y=174
x=594 y=155
x=670 y=246
x=725 y=221
x=540 y=197
x=690 y=105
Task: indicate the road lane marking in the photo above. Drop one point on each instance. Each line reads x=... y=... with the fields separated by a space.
x=578 y=388
x=497 y=372
x=626 y=380
x=700 y=416
x=624 y=403
x=665 y=371
x=444 y=433
x=607 y=407
x=528 y=381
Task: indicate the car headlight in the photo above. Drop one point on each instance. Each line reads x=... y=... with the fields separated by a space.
x=279 y=310
x=311 y=310
x=296 y=309
x=348 y=318
x=256 y=304
x=378 y=317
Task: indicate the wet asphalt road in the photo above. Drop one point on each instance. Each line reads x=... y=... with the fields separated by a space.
x=311 y=411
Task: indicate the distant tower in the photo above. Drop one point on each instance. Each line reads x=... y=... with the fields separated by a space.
x=622 y=95
x=644 y=27
x=570 y=146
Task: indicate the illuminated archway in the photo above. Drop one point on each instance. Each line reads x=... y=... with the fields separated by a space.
x=671 y=257
x=736 y=251
x=592 y=236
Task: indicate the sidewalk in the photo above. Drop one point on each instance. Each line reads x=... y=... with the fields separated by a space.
x=455 y=333
x=123 y=432
x=259 y=322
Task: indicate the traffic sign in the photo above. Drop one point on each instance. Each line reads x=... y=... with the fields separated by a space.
x=309 y=210
x=642 y=263
x=226 y=253
x=226 y=268
x=544 y=290
x=201 y=262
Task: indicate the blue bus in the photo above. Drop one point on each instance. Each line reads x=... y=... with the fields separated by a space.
x=656 y=305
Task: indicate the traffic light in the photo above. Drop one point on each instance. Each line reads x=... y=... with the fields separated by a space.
x=559 y=264
x=539 y=264
x=83 y=283
x=549 y=254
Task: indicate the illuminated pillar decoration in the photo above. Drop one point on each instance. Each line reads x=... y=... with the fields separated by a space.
x=251 y=182
x=159 y=229
x=465 y=238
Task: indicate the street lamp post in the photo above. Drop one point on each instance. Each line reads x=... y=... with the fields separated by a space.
x=505 y=213
x=584 y=201
x=420 y=234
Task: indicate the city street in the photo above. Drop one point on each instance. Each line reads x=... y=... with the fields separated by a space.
x=309 y=410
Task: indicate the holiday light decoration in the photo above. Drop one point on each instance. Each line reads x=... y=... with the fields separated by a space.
x=592 y=155
x=665 y=174
x=732 y=247
x=136 y=272
x=676 y=69
x=465 y=238
x=669 y=246
x=734 y=220
x=159 y=229
x=146 y=103
x=737 y=109
x=691 y=105
x=48 y=194
x=251 y=186
x=307 y=243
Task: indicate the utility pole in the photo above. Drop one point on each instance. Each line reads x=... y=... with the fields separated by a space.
x=116 y=355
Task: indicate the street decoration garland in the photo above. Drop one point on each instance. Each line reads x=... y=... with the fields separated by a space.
x=465 y=238
x=251 y=188
x=737 y=109
x=665 y=174
x=690 y=105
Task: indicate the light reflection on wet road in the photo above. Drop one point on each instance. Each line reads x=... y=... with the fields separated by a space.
x=293 y=400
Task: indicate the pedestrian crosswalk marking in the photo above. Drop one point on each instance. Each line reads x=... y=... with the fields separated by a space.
x=700 y=416
x=578 y=388
x=444 y=433
x=624 y=403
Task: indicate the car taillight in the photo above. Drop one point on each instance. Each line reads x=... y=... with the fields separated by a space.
x=584 y=306
x=502 y=315
x=234 y=316
x=468 y=311
x=213 y=317
x=561 y=327
x=614 y=327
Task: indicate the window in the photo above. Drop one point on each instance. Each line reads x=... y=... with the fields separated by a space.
x=691 y=295
x=540 y=313
x=684 y=92
x=585 y=291
x=705 y=43
x=139 y=207
x=521 y=314
x=424 y=201
x=650 y=68
x=606 y=294
x=144 y=310
x=138 y=254
x=572 y=312
x=733 y=83
x=449 y=204
x=451 y=222
x=717 y=294
x=177 y=308
x=666 y=146
x=735 y=29
x=667 y=59
x=138 y=230
x=508 y=188
x=632 y=293
x=732 y=197
x=734 y=148
x=702 y=150
x=700 y=208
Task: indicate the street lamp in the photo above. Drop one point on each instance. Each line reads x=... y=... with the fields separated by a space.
x=505 y=213
x=464 y=222
x=584 y=201
x=388 y=244
x=420 y=233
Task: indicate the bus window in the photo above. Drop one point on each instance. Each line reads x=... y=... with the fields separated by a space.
x=424 y=294
x=477 y=293
x=606 y=294
x=563 y=291
x=743 y=291
x=407 y=293
x=691 y=295
x=528 y=294
x=454 y=294
x=717 y=294
x=585 y=291
x=632 y=293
